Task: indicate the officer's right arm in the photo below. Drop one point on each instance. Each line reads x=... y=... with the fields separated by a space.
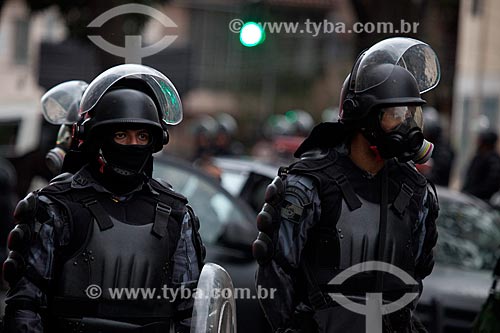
x=29 y=266
x=291 y=209
x=428 y=236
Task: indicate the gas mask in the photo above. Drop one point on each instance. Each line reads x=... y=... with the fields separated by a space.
x=55 y=157
x=399 y=134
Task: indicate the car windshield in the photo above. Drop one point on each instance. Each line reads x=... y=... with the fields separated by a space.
x=469 y=235
x=233 y=181
x=214 y=208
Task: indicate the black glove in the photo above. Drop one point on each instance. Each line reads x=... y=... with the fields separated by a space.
x=19 y=239
x=268 y=222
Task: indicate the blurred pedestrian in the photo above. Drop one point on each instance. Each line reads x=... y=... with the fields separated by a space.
x=483 y=174
x=438 y=168
x=488 y=320
x=8 y=199
x=207 y=166
x=225 y=143
x=203 y=129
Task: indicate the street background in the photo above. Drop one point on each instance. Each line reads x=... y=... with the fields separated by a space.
x=256 y=103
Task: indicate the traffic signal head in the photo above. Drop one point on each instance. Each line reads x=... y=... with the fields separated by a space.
x=252 y=34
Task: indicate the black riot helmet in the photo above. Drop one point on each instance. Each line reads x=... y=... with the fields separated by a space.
x=383 y=89
x=132 y=95
x=397 y=87
x=122 y=106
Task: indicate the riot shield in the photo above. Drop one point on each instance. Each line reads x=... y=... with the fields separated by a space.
x=214 y=308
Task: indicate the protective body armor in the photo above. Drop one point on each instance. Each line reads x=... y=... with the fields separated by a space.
x=114 y=245
x=348 y=230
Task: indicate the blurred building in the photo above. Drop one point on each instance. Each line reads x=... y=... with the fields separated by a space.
x=20 y=37
x=477 y=78
x=211 y=68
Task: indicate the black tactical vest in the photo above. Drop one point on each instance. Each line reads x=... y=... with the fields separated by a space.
x=348 y=230
x=114 y=245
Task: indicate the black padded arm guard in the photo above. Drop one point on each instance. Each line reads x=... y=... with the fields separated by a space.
x=268 y=221
x=20 y=238
x=198 y=243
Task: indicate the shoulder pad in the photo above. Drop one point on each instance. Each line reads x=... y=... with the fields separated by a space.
x=163 y=183
x=63 y=177
x=60 y=184
x=307 y=182
x=314 y=161
x=298 y=195
x=314 y=154
x=165 y=188
x=300 y=190
x=26 y=208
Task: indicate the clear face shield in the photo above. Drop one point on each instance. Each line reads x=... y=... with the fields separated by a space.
x=167 y=96
x=60 y=106
x=415 y=56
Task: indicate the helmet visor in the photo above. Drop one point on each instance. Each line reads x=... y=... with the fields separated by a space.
x=164 y=90
x=392 y=118
x=415 y=56
x=61 y=103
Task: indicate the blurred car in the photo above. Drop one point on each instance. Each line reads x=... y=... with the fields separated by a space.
x=246 y=178
x=467 y=248
x=227 y=226
x=468 y=243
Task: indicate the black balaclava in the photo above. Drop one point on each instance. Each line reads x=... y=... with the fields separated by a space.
x=122 y=168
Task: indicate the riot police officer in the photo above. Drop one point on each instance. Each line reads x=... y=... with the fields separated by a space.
x=353 y=198
x=110 y=225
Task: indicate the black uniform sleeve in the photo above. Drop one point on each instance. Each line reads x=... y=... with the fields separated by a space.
x=26 y=299
x=299 y=212
x=425 y=262
x=188 y=262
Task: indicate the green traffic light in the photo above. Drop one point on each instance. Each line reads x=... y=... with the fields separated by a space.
x=252 y=34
